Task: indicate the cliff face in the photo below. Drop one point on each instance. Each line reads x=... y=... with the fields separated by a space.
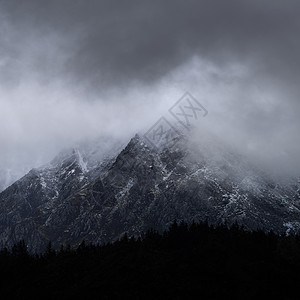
x=73 y=199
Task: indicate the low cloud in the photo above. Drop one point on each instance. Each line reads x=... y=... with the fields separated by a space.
x=74 y=69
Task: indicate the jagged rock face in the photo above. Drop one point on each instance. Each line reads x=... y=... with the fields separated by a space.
x=140 y=188
x=26 y=205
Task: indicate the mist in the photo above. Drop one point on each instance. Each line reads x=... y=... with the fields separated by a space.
x=74 y=70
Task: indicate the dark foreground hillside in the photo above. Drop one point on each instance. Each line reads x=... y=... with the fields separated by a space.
x=187 y=262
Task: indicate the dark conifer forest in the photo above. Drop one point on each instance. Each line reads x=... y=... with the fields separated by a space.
x=186 y=262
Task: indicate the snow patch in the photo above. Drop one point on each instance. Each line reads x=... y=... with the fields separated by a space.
x=126 y=189
x=43 y=182
x=292 y=227
x=82 y=163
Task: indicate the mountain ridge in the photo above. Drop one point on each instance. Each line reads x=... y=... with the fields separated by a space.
x=72 y=199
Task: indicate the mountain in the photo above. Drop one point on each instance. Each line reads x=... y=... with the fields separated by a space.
x=82 y=195
x=9 y=175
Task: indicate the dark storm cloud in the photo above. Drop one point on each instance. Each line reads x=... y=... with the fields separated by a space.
x=117 y=41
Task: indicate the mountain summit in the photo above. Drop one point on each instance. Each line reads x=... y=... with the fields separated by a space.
x=98 y=198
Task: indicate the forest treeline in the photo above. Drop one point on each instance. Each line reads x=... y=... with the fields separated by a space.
x=185 y=262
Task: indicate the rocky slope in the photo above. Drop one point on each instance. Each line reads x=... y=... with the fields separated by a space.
x=81 y=197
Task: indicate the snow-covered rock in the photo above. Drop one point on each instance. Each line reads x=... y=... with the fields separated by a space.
x=82 y=195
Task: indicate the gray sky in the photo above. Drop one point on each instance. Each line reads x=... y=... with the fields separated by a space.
x=76 y=69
